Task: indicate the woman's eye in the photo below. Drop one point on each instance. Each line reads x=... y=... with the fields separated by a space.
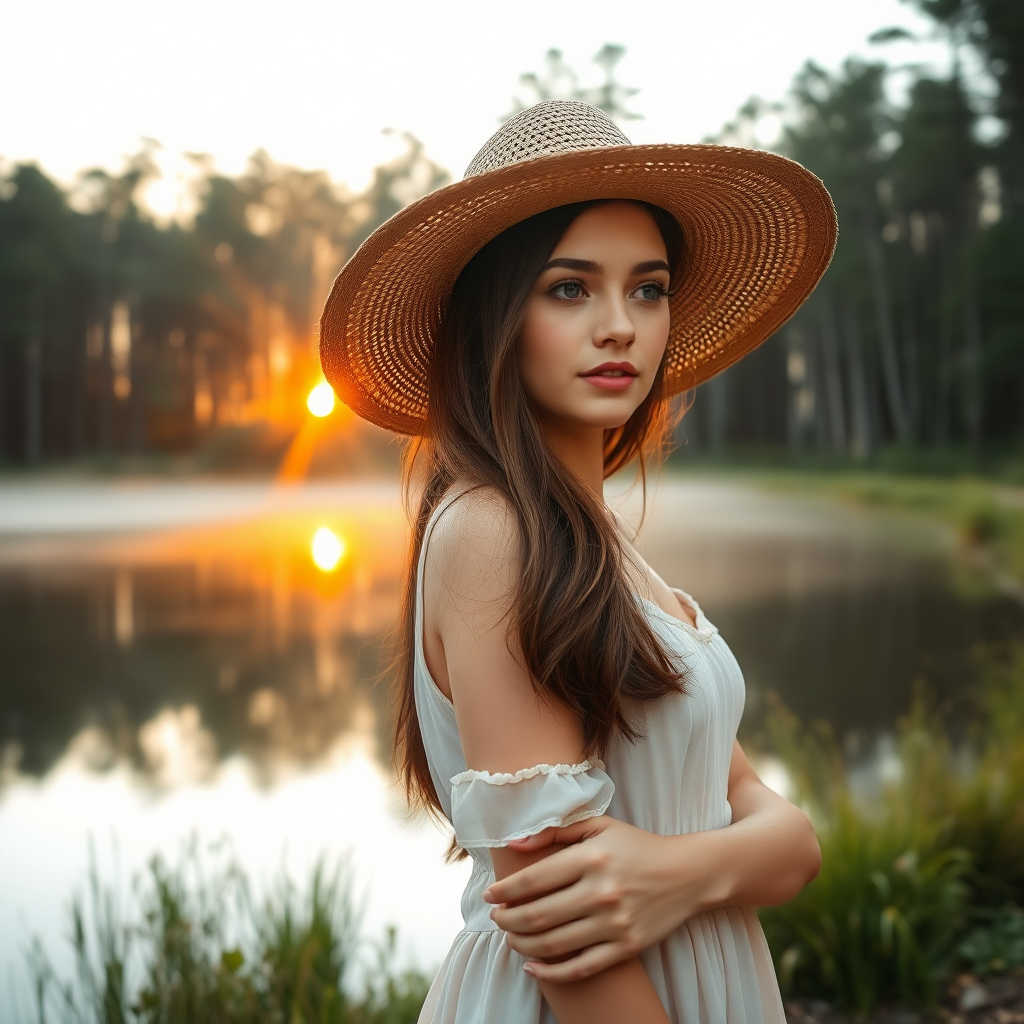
x=651 y=292
x=568 y=290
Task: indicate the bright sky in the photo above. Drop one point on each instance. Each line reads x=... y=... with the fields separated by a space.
x=315 y=82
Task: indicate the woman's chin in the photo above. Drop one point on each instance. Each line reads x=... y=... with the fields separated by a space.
x=607 y=421
x=607 y=414
x=611 y=415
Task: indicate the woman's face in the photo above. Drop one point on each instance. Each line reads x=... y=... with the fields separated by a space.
x=597 y=320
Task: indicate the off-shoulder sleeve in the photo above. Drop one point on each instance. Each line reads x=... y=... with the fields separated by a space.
x=492 y=810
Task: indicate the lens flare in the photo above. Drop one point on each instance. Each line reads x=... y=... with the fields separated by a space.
x=321 y=400
x=328 y=549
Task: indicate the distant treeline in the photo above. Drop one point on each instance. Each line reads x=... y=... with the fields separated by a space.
x=915 y=337
x=118 y=335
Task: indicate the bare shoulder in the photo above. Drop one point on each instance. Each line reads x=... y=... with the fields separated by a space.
x=473 y=551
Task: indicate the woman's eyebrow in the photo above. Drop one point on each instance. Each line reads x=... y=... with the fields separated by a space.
x=567 y=263
x=590 y=267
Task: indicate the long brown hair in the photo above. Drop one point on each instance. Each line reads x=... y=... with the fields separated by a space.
x=573 y=614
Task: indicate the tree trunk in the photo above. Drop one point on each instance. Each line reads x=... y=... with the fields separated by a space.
x=911 y=349
x=973 y=383
x=816 y=375
x=105 y=409
x=796 y=385
x=860 y=410
x=718 y=413
x=942 y=427
x=832 y=372
x=34 y=387
x=136 y=373
x=76 y=422
x=887 y=335
x=3 y=401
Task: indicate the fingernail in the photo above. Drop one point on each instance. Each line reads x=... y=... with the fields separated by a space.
x=488 y=896
x=529 y=969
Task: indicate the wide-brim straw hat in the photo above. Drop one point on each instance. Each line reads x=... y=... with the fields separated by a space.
x=759 y=232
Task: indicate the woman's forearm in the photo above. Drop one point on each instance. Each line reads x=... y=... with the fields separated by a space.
x=623 y=992
x=764 y=858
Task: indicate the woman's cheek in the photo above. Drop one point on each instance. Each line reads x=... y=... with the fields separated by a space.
x=546 y=358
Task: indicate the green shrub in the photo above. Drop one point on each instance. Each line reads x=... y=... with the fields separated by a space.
x=997 y=944
x=988 y=805
x=881 y=922
x=919 y=878
x=982 y=524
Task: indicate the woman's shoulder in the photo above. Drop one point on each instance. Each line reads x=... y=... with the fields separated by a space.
x=475 y=540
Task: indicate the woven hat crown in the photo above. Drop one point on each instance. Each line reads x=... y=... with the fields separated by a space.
x=553 y=126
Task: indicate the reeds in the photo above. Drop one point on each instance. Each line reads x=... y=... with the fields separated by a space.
x=199 y=948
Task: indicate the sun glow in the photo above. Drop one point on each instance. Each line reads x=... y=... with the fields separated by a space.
x=328 y=549
x=321 y=400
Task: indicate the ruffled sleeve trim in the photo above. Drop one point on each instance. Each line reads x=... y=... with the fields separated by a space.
x=504 y=779
x=524 y=833
x=493 y=810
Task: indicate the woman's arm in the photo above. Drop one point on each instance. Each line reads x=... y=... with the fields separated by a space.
x=633 y=887
x=504 y=725
x=769 y=852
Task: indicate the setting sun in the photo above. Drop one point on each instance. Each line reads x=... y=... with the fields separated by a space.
x=328 y=549
x=321 y=400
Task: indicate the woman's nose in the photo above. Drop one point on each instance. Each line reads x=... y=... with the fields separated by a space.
x=615 y=327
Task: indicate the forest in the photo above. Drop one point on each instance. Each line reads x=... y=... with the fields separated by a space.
x=120 y=336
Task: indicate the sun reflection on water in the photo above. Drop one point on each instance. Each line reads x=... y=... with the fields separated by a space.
x=328 y=549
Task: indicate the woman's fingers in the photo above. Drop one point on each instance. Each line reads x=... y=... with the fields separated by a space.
x=590 y=962
x=554 y=872
x=541 y=914
x=562 y=941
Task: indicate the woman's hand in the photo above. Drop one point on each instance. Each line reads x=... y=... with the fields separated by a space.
x=617 y=891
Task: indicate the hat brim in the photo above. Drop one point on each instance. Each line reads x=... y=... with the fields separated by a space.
x=759 y=230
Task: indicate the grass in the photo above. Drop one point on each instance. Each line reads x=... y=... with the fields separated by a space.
x=197 y=948
x=920 y=879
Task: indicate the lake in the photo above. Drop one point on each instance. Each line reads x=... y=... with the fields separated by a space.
x=199 y=658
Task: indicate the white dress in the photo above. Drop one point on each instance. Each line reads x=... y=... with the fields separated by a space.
x=716 y=967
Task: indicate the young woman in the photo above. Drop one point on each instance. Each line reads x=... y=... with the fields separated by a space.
x=569 y=713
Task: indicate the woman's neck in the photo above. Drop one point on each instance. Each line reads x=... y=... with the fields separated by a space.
x=579 y=447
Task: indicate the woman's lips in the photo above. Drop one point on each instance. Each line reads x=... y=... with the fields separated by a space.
x=610 y=379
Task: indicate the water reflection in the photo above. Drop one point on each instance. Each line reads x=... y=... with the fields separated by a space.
x=328 y=549
x=261 y=636
x=261 y=633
